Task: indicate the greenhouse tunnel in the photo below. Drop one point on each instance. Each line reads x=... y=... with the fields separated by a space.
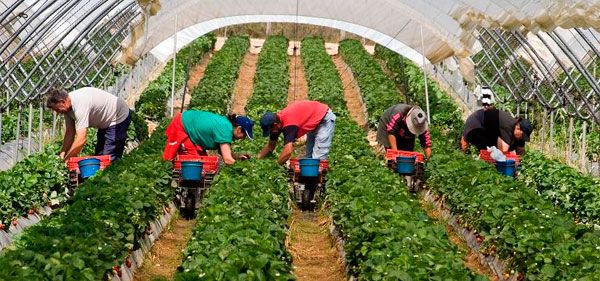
x=540 y=58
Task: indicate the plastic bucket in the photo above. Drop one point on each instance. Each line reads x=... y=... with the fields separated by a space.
x=191 y=170
x=309 y=167
x=405 y=165
x=506 y=168
x=88 y=167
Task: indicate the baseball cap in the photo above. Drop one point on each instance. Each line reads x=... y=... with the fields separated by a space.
x=527 y=128
x=266 y=123
x=246 y=124
x=416 y=121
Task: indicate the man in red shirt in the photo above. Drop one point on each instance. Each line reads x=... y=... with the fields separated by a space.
x=310 y=118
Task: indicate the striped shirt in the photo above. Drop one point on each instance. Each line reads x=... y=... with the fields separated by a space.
x=393 y=122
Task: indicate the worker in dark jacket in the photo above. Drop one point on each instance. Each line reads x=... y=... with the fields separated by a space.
x=310 y=118
x=400 y=125
x=195 y=131
x=493 y=127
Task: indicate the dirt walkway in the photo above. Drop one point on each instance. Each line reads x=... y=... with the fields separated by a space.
x=315 y=256
x=196 y=74
x=298 y=89
x=166 y=254
x=244 y=84
x=352 y=94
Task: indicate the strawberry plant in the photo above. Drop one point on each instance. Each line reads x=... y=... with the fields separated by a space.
x=30 y=183
x=409 y=77
x=378 y=91
x=153 y=101
x=216 y=87
x=324 y=85
x=536 y=238
x=241 y=231
x=271 y=80
x=563 y=186
x=386 y=234
x=108 y=215
x=242 y=227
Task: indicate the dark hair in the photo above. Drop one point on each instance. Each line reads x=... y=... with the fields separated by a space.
x=232 y=118
x=55 y=95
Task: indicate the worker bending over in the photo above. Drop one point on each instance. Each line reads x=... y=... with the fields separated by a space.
x=91 y=107
x=400 y=125
x=310 y=118
x=493 y=127
x=193 y=132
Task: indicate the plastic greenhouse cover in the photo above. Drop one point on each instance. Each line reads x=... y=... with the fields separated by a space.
x=446 y=25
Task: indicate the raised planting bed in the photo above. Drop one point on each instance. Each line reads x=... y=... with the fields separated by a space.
x=110 y=213
x=271 y=80
x=564 y=186
x=385 y=233
x=216 y=87
x=537 y=240
x=152 y=104
x=378 y=90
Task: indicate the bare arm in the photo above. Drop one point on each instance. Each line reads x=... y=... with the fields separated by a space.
x=69 y=137
x=78 y=143
x=286 y=153
x=503 y=146
x=427 y=151
x=269 y=147
x=392 y=140
x=225 y=150
x=463 y=144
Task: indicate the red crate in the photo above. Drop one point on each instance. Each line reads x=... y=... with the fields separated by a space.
x=391 y=154
x=210 y=164
x=486 y=156
x=295 y=164
x=72 y=163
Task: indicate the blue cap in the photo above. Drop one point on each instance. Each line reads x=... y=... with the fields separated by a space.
x=246 y=124
x=266 y=123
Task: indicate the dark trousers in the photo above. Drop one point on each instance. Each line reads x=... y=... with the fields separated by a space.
x=111 y=141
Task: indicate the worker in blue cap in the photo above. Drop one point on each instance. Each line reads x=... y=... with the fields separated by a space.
x=193 y=132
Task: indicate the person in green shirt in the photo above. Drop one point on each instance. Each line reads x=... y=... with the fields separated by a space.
x=193 y=132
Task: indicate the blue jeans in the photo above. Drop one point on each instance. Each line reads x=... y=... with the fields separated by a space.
x=111 y=141
x=318 y=142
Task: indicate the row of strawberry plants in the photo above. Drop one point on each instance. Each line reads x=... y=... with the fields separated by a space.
x=535 y=237
x=444 y=111
x=271 y=80
x=109 y=214
x=217 y=85
x=557 y=182
x=324 y=85
x=563 y=185
x=153 y=101
x=241 y=234
x=39 y=179
x=378 y=91
x=386 y=234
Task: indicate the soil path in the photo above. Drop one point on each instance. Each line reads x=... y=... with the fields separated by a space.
x=352 y=94
x=196 y=75
x=314 y=251
x=167 y=252
x=298 y=89
x=244 y=84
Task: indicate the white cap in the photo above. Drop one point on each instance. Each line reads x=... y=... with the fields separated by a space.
x=487 y=96
x=416 y=121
